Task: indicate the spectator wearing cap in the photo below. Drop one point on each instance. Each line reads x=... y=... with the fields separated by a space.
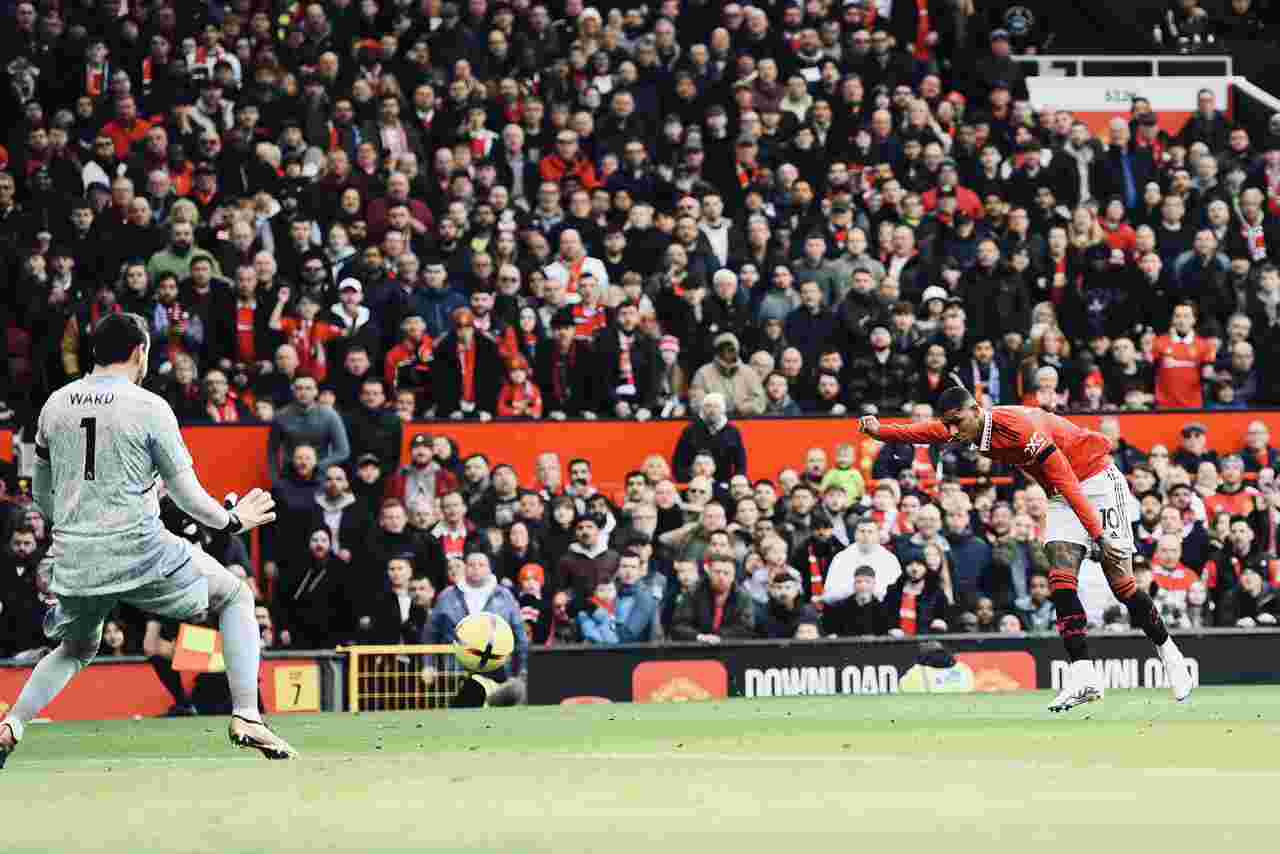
x=467 y=374
x=534 y=608
x=1195 y=448
x=673 y=387
x=718 y=608
x=588 y=562
x=354 y=322
x=423 y=478
x=735 y=381
x=520 y=397
x=711 y=432
x=881 y=376
x=564 y=371
x=996 y=68
x=787 y=608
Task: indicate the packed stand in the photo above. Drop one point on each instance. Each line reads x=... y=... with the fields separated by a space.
x=517 y=211
x=339 y=218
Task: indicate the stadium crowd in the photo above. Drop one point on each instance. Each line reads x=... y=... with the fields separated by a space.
x=341 y=217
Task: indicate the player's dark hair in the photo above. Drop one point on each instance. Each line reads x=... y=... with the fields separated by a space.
x=116 y=337
x=956 y=397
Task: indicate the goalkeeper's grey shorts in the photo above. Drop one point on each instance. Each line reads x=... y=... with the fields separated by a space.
x=189 y=594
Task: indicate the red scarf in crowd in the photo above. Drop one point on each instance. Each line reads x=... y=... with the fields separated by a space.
x=907 y=612
x=624 y=359
x=467 y=359
x=924 y=26
x=226 y=413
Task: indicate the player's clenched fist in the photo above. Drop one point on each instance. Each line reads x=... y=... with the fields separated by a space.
x=870 y=425
x=255 y=509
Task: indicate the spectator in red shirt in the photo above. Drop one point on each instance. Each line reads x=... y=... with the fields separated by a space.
x=408 y=364
x=568 y=161
x=519 y=398
x=1234 y=496
x=1182 y=360
x=1120 y=235
x=1174 y=577
x=127 y=128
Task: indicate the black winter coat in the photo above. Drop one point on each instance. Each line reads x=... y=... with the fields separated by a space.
x=726 y=446
x=446 y=375
x=886 y=384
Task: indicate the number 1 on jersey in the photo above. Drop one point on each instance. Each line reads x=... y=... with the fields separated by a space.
x=90 y=427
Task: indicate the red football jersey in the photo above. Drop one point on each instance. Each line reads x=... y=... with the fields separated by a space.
x=1049 y=448
x=1179 y=365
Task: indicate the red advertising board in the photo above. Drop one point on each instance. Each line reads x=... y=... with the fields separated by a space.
x=235 y=458
x=109 y=691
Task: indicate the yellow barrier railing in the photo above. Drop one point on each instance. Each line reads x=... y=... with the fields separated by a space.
x=401 y=678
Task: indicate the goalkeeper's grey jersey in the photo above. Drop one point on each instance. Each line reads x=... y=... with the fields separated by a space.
x=107 y=440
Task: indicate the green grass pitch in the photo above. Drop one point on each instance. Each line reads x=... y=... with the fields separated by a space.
x=974 y=773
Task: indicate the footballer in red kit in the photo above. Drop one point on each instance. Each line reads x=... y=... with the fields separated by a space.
x=1088 y=516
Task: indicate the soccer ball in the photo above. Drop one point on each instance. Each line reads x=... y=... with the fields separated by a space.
x=484 y=642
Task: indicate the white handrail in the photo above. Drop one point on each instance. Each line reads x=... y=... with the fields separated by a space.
x=1256 y=92
x=1049 y=65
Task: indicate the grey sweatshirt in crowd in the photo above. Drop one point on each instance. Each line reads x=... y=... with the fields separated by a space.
x=319 y=426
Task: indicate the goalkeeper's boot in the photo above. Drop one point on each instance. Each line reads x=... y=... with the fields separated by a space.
x=258 y=736
x=10 y=735
x=1082 y=686
x=1175 y=667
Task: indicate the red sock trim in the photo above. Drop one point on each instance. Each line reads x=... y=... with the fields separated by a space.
x=1125 y=588
x=1073 y=625
x=1060 y=579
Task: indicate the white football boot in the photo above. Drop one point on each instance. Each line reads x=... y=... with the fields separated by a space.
x=256 y=735
x=1082 y=686
x=1175 y=668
